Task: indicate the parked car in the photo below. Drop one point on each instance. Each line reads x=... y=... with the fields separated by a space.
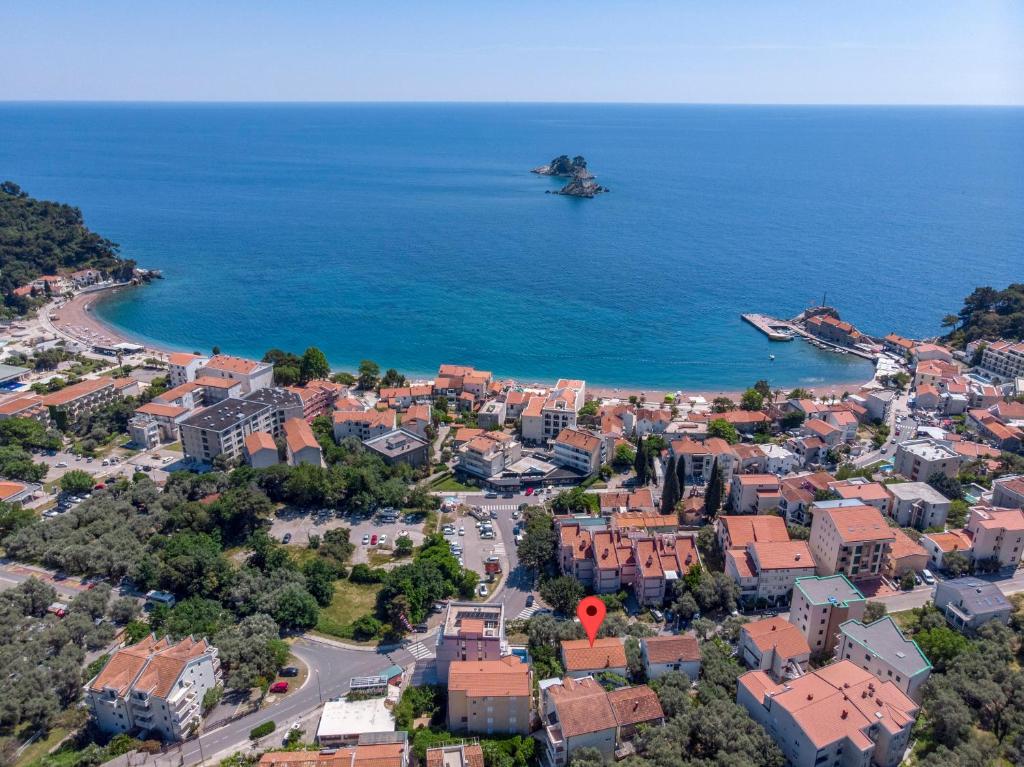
x=373 y=539
x=529 y=491
x=289 y=671
x=462 y=531
x=279 y=687
x=287 y=538
x=490 y=495
x=366 y=539
x=927 y=577
x=383 y=539
x=529 y=600
x=482 y=590
x=420 y=628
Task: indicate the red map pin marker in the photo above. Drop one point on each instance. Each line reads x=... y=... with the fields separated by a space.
x=591 y=611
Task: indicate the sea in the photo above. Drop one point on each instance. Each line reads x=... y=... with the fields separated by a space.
x=415 y=234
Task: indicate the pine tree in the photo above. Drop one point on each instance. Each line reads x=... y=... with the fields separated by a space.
x=713 y=495
x=670 y=492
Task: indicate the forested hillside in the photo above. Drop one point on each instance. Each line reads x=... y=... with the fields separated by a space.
x=988 y=313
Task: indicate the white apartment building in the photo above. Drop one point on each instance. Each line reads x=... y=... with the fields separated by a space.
x=1003 y=360
x=821 y=605
x=579 y=450
x=918 y=459
x=488 y=454
x=881 y=649
x=183 y=367
x=850 y=538
x=362 y=424
x=155 y=685
x=918 y=504
x=222 y=429
x=997 y=535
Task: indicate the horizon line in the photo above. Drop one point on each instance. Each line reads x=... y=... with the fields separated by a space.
x=466 y=102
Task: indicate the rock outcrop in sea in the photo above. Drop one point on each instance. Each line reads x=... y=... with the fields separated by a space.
x=581 y=181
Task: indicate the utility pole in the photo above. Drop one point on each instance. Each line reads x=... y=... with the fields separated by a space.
x=318 y=690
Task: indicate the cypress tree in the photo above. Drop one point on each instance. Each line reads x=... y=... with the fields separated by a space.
x=670 y=492
x=640 y=462
x=713 y=495
x=681 y=476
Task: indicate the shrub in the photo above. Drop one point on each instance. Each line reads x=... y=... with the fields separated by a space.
x=262 y=730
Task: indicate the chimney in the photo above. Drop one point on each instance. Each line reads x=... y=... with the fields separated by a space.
x=810 y=696
x=844 y=714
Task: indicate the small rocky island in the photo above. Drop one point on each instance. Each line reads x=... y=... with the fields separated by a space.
x=581 y=181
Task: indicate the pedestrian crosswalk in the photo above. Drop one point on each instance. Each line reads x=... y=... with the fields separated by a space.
x=420 y=651
x=528 y=612
x=501 y=507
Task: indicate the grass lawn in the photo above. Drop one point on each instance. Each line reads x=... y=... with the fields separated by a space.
x=448 y=483
x=64 y=724
x=377 y=558
x=351 y=601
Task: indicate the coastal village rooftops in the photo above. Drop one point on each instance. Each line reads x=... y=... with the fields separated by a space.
x=460 y=755
x=884 y=639
x=368 y=755
x=259 y=440
x=777 y=634
x=465 y=434
x=830 y=589
x=151 y=665
x=183 y=358
x=606 y=653
x=577 y=539
x=534 y=408
x=16 y=405
x=74 y=391
x=837 y=701
x=570 y=383
x=370 y=418
x=858 y=523
x=178 y=391
x=672 y=649
x=507 y=677
x=229 y=364
x=864 y=491
x=990 y=518
x=899 y=341
x=638 y=499
x=159 y=409
x=299 y=435
x=581 y=440
x=819 y=427
x=755 y=480
x=583 y=707
x=905 y=546
x=782 y=555
x=743 y=530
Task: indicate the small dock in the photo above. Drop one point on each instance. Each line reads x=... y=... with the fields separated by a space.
x=776 y=330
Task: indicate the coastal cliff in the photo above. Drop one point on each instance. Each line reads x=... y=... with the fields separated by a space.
x=581 y=181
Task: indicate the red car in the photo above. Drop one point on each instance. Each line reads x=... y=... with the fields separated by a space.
x=373 y=539
x=529 y=491
x=279 y=687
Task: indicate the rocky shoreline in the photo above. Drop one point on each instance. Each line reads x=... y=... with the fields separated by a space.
x=582 y=182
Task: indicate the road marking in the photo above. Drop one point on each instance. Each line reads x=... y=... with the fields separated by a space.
x=420 y=651
x=527 y=612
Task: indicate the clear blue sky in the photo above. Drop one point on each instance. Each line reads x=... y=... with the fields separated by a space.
x=754 y=51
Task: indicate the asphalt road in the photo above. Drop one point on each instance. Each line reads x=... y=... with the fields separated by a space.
x=330 y=666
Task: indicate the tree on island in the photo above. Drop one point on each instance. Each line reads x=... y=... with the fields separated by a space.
x=369 y=375
x=314 y=365
x=670 y=494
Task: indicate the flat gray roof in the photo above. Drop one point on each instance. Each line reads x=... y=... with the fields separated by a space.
x=822 y=589
x=224 y=414
x=912 y=491
x=9 y=372
x=978 y=597
x=395 y=443
x=884 y=639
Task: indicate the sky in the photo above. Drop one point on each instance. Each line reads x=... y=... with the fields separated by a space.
x=712 y=51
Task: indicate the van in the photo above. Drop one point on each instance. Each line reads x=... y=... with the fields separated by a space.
x=927 y=577
x=160 y=598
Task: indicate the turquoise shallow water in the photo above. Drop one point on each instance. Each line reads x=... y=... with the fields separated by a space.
x=414 y=234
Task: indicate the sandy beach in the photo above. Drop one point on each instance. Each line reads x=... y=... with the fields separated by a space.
x=77 y=319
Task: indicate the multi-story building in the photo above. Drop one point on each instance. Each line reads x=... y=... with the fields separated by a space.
x=776 y=646
x=850 y=538
x=737 y=532
x=881 y=649
x=938 y=545
x=699 y=457
x=918 y=459
x=400 y=446
x=867 y=492
x=417 y=419
x=222 y=429
x=81 y=398
x=833 y=330
x=997 y=535
x=659 y=560
x=301 y=444
x=580 y=451
x=491 y=415
x=918 y=504
x=155 y=419
x=907 y=556
x=488 y=454
x=471 y=631
x=463 y=754
x=284 y=404
x=362 y=424
x=580 y=658
x=1008 y=492
x=1003 y=360
x=25 y=406
x=753 y=493
x=664 y=654
x=489 y=697
x=766 y=571
x=820 y=605
x=183 y=367
x=251 y=374
x=579 y=713
x=836 y=715
x=969 y=603
x=378 y=750
x=155 y=685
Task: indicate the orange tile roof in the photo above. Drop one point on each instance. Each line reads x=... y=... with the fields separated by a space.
x=779 y=635
x=160 y=409
x=230 y=364
x=605 y=554
x=858 y=523
x=606 y=653
x=182 y=359
x=865 y=491
x=178 y=391
x=16 y=405
x=508 y=677
x=377 y=755
x=905 y=546
x=819 y=427
x=213 y=382
x=580 y=440
x=535 y=407
x=582 y=706
x=417 y=413
x=578 y=539
x=299 y=435
x=633 y=705
x=9 y=488
x=259 y=440
x=782 y=555
x=756 y=479
x=742 y=563
x=151 y=665
x=1011 y=520
x=371 y=418
x=672 y=649
x=472 y=755
x=74 y=391
x=747 y=529
x=465 y=433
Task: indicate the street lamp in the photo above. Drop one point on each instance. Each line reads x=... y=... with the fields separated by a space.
x=318 y=690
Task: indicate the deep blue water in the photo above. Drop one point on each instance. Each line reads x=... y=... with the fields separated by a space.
x=414 y=234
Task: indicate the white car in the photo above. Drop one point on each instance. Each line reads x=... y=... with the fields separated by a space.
x=481 y=590
x=383 y=539
x=462 y=531
x=366 y=539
